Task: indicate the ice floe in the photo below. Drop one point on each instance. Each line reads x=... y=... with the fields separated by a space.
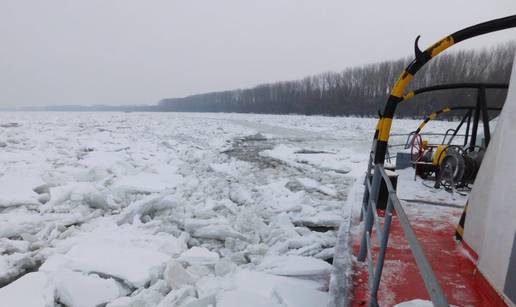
x=173 y=209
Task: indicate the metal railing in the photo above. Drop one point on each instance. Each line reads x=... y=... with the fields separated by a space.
x=392 y=149
x=373 y=181
x=430 y=134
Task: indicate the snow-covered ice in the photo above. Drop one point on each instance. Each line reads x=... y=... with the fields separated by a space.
x=294 y=266
x=174 y=209
x=79 y=289
x=199 y=255
x=33 y=289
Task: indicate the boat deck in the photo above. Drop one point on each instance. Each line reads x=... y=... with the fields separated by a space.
x=452 y=263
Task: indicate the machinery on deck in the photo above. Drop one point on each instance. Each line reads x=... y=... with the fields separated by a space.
x=453 y=164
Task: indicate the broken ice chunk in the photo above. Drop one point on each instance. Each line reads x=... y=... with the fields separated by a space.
x=224 y=267
x=80 y=290
x=207 y=301
x=33 y=289
x=300 y=296
x=218 y=232
x=294 y=266
x=17 y=189
x=176 y=276
x=78 y=192
x=321 y=219
x=199 y=256
x=145 y=297
x=146 y=183
x=136 y=266
x=264 y=283
x=178 y=297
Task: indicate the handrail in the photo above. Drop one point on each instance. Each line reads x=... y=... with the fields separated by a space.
x=423 y=133
x=372 y=220
x=408 y=139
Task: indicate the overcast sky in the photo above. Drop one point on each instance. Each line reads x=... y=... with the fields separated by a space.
x=137 y=52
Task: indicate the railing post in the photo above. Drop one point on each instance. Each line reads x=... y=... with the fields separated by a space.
x=381 y=255
x=368 y=219
x=365 y=198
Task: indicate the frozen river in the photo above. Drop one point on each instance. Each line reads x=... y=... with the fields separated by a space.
x=174 y=209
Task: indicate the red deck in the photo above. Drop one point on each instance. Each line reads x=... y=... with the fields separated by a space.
x=451 y=262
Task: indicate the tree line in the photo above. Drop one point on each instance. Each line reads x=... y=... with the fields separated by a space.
x=362 y=91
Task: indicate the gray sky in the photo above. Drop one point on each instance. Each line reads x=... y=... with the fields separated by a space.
x=137 y=52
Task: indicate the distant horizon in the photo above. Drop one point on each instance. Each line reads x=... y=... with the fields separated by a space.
x=151 y=104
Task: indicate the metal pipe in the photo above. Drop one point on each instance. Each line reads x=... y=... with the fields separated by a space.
x=370 y=265
x=456 y=130
x=376 y=218
x=458 y=86
x=368 y=220
x=467 y=128
x=476 y=119
x=383 y=251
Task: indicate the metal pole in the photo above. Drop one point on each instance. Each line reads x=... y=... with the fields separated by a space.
x=485 y=115
x=467 y=129
x=381 y=256
x=368 y=222
x=365 y=198
x=476 y=118
x=456 y=130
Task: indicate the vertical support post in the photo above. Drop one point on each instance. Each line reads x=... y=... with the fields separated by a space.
x=457 y=129
x=365 y=198
x=368 y=219
x=476 y=118
x=383 y=250
x=485 y=115
x=467 y=129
